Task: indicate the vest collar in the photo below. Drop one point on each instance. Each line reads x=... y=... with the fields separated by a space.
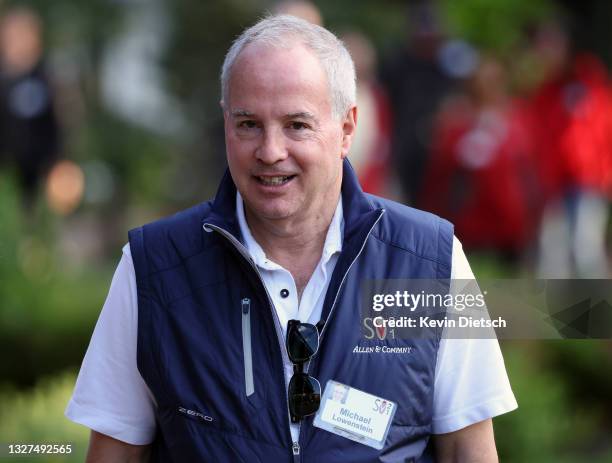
x=223 y=210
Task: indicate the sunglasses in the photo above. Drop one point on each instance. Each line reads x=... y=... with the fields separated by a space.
x=304 y=392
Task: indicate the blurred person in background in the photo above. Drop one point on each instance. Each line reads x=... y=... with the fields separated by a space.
x=370 y=151
x=29 y=132
x=481 y=174
x=416 y=78
x=572 y=126
x=303 y=9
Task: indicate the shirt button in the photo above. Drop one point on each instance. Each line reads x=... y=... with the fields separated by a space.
x=284 y=293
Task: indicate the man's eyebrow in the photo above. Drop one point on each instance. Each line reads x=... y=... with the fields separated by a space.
x=300 y=115
x=295 y=115
x=242 y=113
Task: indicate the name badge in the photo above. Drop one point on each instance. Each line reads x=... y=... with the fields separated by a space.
x=354 y=414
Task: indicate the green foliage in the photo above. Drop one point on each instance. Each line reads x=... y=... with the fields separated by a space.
x=549 y=425
x=203 y=33
x=385 y=26
x=538 y=428
x=37 y=416
x=68 y=22
x=489 y=265
x=42 y=303
x=493 y=24
x=136 y=157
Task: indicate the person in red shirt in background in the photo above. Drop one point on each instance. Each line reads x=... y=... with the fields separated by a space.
x=481 y=174
x=572 y=117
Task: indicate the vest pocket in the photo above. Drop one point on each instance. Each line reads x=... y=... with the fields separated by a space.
x=249 y=384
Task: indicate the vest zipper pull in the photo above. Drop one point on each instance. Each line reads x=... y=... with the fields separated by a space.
x=296 y=451
x=249 y=384
x=246 y=305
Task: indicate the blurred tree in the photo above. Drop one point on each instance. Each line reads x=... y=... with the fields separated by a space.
x=202 y=33
x=494 y=24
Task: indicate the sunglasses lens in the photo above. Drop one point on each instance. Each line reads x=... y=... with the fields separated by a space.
x=304 y=395
x=302 y=341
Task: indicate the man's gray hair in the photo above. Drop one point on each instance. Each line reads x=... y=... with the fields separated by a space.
x=331 y=52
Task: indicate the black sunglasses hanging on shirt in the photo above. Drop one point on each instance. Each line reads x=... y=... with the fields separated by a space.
x=304 y=392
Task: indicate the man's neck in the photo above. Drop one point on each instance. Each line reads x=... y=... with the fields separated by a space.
x=296 y=244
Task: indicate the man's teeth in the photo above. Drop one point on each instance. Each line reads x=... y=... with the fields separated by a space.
x=274 y=180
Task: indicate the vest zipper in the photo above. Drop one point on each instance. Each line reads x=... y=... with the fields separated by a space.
x=295 y=446
x=296 y=452
x=307 y=366
x=246 y=346
x=279 y=333
x=344 y=277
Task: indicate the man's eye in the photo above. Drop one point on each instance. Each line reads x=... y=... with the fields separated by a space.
x=298 y=125
x=247 y=124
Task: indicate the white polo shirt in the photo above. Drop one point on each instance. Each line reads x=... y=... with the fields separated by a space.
x=111 y=397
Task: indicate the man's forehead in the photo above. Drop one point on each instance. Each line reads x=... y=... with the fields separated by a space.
x=276 y=61
x=281 y=81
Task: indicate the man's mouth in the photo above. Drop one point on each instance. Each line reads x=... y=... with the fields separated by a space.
x=274 y=181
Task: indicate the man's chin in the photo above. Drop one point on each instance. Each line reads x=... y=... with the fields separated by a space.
x=267 y=210
x=274 y=214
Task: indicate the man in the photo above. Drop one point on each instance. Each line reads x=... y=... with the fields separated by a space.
x=188 y=361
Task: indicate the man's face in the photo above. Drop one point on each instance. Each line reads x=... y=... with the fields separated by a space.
x=284 y=147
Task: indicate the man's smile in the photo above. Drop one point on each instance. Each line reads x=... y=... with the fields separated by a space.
x=274 y=181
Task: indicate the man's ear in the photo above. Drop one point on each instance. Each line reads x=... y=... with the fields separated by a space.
x=349 y=125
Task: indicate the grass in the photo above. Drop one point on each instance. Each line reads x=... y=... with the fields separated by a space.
x=37 y=416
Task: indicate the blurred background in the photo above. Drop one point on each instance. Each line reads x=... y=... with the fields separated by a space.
x=495 y=114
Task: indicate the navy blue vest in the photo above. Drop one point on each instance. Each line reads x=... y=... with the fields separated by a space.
x=193 y=274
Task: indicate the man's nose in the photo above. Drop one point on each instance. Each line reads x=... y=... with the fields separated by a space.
x=272 y=148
